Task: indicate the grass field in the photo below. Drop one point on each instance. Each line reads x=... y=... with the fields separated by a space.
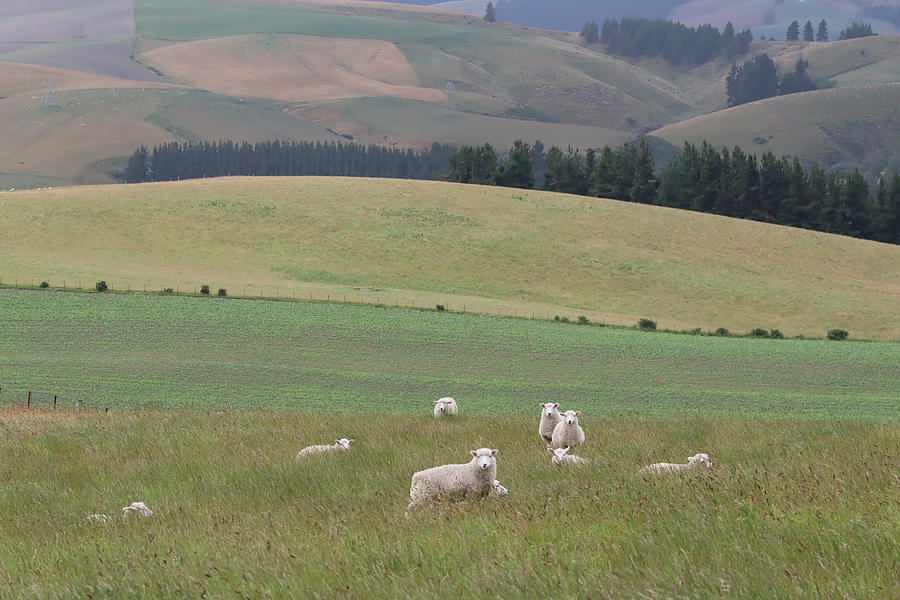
x=453 y=244
x=130 y=350
x=799 y=510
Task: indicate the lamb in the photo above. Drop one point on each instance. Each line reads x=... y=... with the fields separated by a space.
x=138 y=508
x=697 y=460
x=561 y=458
x=473 y=479
x=568 y=432
x=445 y=407
x=499 y=489
x=549 y=418
x=341 y=444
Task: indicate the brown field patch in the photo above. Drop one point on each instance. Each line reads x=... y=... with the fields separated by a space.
x=18 y=78
x=296 y=68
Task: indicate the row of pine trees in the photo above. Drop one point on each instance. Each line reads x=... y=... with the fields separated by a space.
x=730 y=183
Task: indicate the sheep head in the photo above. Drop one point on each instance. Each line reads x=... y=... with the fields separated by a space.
x=484 y=457
x=700 y=459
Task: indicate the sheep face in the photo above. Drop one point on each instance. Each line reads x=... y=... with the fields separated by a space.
x=343 y=443
x=700 y=459
x=484 y=457
x=571 y=417
x=550 y=409
x=558 y=453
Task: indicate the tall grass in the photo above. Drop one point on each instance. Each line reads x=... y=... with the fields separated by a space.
x=801 y=510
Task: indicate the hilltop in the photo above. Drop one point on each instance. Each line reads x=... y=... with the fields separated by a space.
x=473 y=247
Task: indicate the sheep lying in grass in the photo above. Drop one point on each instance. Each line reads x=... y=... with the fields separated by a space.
x=445 y=407
x=499 y=489
x=568 y=432
x=473 y=479
x=341 y=444
x=698 y=460
x=561 y=458
x=138 y=508
x=550 y=417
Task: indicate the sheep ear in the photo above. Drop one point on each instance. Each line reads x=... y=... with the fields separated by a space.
x=543 y=405
x=556 y=405
x=474 y=452
x=567 y=448
x=550 y=450
x=577 y=412
x=493 y=452
x=436 y=401
x=351 y=441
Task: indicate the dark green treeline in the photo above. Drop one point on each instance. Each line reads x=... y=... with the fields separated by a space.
x=730 y=183
x=175 y=161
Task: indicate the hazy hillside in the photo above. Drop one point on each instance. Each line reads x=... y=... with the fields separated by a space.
x=459 y=245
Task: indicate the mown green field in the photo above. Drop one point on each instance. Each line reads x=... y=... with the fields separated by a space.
x=122 y=351
x=789 y=510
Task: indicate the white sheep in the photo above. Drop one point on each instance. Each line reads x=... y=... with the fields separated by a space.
x=698 y=460
x=473 y=479
x=445 y=407
x=568 y=432
x=549 y=418
x=138 y=508
x=341 y=444
x=499 y=489
x=561 y=458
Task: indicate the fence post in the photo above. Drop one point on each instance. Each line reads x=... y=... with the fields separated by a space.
x=29 y=399
x=54 y=401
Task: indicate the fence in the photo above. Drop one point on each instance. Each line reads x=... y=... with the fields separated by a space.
x=10 y=396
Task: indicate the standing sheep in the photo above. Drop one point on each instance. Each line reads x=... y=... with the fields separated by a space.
x=445 y=407
x=549 y=418
x=568 y=432
x=341 y=444
x=561 y=458
x=698 y=460
x=473 y=479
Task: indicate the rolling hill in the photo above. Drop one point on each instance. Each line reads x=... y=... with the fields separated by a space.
x=473 y=247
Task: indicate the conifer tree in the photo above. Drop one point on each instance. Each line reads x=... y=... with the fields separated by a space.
x=822 y=32
x=490 y=13
x=808 y=34
x=793 y=32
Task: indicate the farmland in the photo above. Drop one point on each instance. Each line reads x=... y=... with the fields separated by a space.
x=428 y=243
x=136 y=350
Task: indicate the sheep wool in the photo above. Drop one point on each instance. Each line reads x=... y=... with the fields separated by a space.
x=445 y=407
x=550 y=417
x=341 y=444
x=568 y=432
x=698 y=460
x=473 y=479
x=560 y=457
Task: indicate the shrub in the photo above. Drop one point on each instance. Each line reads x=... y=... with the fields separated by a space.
x=583 y=320
x=223 y=292
x=646 y=324
x=204 y=289
x=168 y=290
x=695 y=331
x=776 y=334
x=758 y=332
x=838 y=334
x=440 y=307
x=565 y=319
x=721 y=331
x=556 y=318
x=44 y=284
x=101 y=286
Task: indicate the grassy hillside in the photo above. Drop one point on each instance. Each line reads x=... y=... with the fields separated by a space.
x=450 y=243
x=824 y=126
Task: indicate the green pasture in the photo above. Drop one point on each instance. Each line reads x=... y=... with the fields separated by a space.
x=122 y=351
x=789 y=509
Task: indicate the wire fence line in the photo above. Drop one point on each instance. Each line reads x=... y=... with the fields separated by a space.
x=32 y=398
x=369 y=295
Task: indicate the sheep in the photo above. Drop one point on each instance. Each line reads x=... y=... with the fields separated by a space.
x=549 y=418
x=499 y=489
x=561 y=458
x=138 y=508
x=445 y=407
x=341 y=444
x=697 y=460
x=473 y=479
x=568 y=432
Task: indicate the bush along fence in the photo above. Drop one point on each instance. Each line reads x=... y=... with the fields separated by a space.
x=371 y=295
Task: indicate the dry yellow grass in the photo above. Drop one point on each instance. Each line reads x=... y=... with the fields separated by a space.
x=297 y=68
x=17 y=78
x=432 y=242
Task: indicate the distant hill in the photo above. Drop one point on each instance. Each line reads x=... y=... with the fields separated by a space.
x=457 y=245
